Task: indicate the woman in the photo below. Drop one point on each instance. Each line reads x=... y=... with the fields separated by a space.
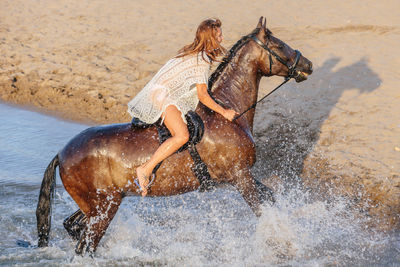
x=177 y=88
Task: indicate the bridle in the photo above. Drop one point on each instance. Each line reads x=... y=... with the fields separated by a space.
x=292 y=71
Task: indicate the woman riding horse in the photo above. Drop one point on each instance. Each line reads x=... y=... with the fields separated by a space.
x=176 y=89
x=97 y=165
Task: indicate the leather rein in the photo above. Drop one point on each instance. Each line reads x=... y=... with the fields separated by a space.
x=292 y=71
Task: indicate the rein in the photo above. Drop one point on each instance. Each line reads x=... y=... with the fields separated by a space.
x=255 y=104
x=292 y=72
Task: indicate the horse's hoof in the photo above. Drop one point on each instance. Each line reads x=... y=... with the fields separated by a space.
x=79 y=248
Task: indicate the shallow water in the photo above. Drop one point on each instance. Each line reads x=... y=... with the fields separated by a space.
x=192 y=229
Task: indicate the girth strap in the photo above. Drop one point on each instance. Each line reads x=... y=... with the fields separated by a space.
x=200 y=170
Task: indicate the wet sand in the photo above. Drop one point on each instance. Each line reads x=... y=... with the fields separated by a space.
x=84 y=60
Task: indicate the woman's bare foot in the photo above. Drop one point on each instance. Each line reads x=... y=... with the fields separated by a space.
x=143 y=180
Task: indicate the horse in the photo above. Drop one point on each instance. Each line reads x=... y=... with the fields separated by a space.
x=97 y=166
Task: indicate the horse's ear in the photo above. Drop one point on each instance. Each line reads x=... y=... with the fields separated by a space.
x=259 y=25
x=265 y=24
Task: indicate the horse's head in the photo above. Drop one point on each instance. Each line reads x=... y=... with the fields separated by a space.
x=278 y=58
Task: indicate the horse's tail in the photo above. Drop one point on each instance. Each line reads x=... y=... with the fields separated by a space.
x=43 y=210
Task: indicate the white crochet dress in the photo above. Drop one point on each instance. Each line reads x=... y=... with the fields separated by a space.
x=174 y=84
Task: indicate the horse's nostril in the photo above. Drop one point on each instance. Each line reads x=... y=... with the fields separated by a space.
x=310 y=67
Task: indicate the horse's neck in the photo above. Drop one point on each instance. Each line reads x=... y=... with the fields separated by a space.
x=237 y=88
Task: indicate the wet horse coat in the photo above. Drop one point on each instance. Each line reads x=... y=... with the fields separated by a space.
x=97 y=166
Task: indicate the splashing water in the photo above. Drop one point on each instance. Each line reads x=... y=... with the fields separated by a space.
x=204 y=228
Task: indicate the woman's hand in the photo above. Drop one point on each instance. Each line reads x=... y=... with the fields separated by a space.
x=229 y=114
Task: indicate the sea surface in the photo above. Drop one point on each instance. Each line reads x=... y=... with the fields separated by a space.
x=195 y=229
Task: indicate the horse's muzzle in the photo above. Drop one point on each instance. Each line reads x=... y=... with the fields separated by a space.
x=303 y=74
x=300 y=76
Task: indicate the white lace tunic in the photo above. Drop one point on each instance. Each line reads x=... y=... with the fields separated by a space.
x=174 y=84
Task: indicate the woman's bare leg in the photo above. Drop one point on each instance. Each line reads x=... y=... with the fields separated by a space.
x=180 y=135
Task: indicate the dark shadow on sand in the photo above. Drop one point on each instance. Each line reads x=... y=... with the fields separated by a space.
x=285 y=141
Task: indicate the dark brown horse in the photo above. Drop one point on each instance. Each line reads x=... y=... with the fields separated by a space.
x=97 y=167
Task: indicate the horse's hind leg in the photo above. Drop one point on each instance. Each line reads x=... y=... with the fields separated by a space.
x=98 y=219
x=75 y=224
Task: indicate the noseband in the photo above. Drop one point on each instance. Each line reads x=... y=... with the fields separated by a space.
x=292 y=72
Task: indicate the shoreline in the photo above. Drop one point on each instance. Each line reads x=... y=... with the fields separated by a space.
x=59 y=115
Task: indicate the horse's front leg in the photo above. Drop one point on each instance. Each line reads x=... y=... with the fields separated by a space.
x=253 y=191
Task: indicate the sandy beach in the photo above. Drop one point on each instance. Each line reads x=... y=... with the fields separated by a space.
x=339 y=130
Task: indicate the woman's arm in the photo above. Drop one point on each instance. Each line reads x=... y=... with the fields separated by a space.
x=206 y=99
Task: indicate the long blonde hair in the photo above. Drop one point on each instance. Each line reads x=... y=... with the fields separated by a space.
x=205 y=41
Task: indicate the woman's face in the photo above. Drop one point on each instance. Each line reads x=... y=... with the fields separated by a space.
x=219 y=36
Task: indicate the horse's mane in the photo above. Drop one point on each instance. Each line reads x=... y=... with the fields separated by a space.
x=231 y=54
